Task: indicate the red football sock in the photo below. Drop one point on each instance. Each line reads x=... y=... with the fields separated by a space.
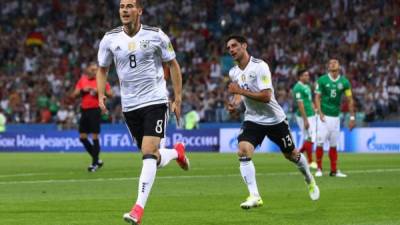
x=307 y=147
x=319 y=153
x=333 y=157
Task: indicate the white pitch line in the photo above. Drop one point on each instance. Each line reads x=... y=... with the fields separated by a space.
x=23 y=175
x=182 y=177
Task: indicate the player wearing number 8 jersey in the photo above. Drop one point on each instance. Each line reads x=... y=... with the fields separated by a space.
x=251 y=82
x=138 y=52
x=329 y=91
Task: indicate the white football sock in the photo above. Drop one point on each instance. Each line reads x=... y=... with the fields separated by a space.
x=248 y=172
x=302 y=165
x=146 y=180
x=166 y=156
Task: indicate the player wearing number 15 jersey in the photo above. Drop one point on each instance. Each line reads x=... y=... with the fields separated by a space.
x=138 y=52
x=329 y=91
x=251 y=82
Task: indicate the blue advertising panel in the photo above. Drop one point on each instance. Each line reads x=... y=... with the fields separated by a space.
x=115 y=139
x=375 y=140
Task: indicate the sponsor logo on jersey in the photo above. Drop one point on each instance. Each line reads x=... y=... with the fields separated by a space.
x=144 y=44
x=117 y=48
x=132 y=46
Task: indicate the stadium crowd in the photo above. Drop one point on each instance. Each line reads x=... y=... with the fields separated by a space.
x=46 y=45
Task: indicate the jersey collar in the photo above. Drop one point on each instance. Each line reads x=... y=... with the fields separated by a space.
x=301 y=83
x=246 y=65
x=140 y=29
x=334 y=80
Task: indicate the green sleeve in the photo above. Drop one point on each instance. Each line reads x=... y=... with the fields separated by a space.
x=318 y=86
x=347 y=84
x=297 y=94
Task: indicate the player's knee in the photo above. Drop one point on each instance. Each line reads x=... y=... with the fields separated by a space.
x=95 y=136
x=243 y=152
x=83 y=136
x=292 y=156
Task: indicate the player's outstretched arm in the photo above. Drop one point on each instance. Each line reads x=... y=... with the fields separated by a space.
x=176 y=78
x=101 y=79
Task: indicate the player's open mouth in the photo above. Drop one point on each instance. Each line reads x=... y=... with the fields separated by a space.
x=125 y=16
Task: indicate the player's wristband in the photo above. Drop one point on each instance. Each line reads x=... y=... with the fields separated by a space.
x=352 y=118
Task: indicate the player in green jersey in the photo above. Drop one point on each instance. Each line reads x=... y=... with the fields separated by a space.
x=305 y=115
x=329 y=91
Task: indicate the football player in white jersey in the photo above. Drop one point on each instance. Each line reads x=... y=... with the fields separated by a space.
x=138 y=52
x=251 y=82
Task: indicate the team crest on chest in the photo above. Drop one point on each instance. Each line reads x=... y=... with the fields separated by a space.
x=132 y=46
x=144 y=44
x=243 y=78
x=340 y=86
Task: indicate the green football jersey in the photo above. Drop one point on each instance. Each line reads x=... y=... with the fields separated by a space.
x=331 y=92
x=302 y=92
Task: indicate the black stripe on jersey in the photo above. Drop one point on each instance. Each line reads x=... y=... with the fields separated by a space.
x=254 y=60
x=146 y=27
x=115 y=30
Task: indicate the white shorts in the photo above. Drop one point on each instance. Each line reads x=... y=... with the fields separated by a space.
x=328 y=130
x=310 y=133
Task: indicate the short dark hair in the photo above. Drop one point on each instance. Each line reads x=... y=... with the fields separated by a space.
x=139 y=3
x=300 y=72
x=241 y=39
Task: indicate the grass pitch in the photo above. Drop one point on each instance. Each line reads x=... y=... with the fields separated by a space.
x=56 y=189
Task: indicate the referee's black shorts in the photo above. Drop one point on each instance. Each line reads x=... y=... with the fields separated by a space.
x=90 y=121
x=278 y=133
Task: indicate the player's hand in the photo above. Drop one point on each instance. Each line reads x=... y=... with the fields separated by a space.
x=102 y=104
x=352 y=124
x=231 y=107
x=176 y=108
x=322 y=117
x=234 y=88
x=306 y=124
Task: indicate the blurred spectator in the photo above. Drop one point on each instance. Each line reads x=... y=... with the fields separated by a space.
x=192 y=119
x=3 y=121
x=62 y=117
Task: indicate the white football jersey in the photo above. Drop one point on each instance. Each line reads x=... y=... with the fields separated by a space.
x=138 y=61
x=257 y=77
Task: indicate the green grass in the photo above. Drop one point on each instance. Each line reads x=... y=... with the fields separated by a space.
x=55 y=189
